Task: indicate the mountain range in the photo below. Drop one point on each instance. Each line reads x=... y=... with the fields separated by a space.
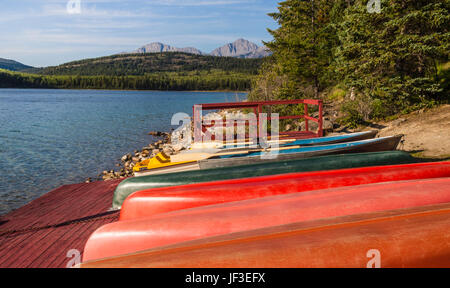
x=240 y=48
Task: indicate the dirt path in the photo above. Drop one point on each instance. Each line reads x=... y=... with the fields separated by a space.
x=427 y=133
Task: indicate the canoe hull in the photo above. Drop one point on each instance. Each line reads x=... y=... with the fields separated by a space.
x=385 y=144
x=335 y=139
x=131 y=185
x=161 y=166
x=292 y=142
x=151 y=202
x=193 y=166
x=126 y=237
x=405 y=238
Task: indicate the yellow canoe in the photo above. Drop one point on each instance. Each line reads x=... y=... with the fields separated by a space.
x=159 y=161
x=162 y=160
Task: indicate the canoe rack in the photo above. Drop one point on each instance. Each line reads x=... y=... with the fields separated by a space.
x=257 y=108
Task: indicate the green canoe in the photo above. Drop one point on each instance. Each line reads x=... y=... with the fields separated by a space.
x=131 y=185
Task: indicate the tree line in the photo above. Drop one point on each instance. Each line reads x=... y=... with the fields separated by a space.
x=201 y=81
x=149 y=71
x=144 y=63
x=379 y=64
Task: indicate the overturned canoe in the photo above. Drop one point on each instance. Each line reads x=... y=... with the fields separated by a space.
x=128 y=186
x=370 y=145
x=163 y=161
x=125 y=237
x=292 y=142
x=150 y=202
x=404 y=238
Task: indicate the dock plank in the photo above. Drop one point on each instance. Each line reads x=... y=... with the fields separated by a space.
x=36 y=219
x=74 y=212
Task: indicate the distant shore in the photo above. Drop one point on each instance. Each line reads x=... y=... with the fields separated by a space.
x=128 y=90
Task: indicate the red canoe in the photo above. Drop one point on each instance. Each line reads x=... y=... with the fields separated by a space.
x=415 y=237
x=125 y=237
x=147 y=203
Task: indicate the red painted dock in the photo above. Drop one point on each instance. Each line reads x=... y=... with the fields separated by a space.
x=41 y=233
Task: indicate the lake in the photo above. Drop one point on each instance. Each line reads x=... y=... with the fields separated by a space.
x=50 y=138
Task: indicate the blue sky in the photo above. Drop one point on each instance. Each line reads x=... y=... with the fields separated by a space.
x=43 y=33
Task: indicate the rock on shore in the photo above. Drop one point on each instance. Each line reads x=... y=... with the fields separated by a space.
x=128 y=161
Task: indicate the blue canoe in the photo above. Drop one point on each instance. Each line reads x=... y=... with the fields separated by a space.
x=320 y=140
x=334 y=139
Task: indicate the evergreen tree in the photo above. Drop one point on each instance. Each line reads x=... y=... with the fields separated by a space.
x=304 y=41
x=391 y=58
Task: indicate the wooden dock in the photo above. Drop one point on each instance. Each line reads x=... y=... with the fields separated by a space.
x=41 y=233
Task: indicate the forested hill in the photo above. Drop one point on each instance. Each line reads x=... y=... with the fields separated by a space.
x=142 y=64
x=12 y=65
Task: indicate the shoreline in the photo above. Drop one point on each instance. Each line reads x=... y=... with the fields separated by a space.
x=128 y=161
x=103 y=89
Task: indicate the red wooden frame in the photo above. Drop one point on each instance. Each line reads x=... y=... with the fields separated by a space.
x=258 y=108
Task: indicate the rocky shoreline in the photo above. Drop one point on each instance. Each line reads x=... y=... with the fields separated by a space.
x=124 y=168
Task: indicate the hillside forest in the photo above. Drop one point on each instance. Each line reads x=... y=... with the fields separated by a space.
x=375 y=63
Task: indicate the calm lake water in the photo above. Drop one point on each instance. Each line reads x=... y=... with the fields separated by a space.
x=49 y=138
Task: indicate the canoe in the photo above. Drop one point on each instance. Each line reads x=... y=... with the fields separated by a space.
x=203 y=148
x=405 y=238
x=128 y=186
x=292 y=142
x=164 y=161
x=335 y=139
x=150 y=202
x=161 y=161
x=125 y=237
x=371 y=145
x=198 y=155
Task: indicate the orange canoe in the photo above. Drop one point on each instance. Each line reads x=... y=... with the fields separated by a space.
x=150 y=202
x=414 y=237
x=165 y=229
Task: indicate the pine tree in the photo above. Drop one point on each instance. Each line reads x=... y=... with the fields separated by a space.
x=304 y=41
x=391 y=58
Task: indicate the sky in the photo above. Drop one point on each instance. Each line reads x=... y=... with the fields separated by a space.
x=50 y=32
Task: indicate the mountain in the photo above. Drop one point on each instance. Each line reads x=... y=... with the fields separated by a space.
x=240 y=48
x=12 y=65
x=261 y=52
x=157 y=47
